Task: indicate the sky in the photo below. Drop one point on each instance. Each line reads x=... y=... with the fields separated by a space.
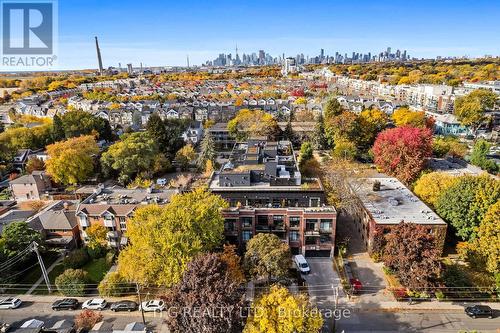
x=162 y=33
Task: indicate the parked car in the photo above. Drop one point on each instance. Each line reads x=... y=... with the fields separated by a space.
x=124 y=306
x=153 y=305
x=65 y=304
x=10 y=303
x=357 y=286
x=302 y=264
x=94 y=304
x=477 y=311
x=33 y=323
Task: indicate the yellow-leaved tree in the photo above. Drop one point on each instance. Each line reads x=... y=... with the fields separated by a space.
x=252 y=122
x=164 y=239
x=405 y=117
x=279 y=311
x=487 y=242
x=71 y=161
x=431 y=185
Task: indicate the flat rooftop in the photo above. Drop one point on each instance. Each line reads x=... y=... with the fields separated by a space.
x=393 y=203
x=119 y=195
x=311 y=184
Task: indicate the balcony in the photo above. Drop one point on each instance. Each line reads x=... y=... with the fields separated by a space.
x=313 y=232
x=112 y=235
x=84 y=223
x=325 y=231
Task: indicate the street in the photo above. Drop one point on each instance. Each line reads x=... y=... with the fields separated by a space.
x=42 y=311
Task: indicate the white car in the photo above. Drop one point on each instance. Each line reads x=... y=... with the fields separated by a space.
x=94 y=304
x=153 y=305
x=10 y=303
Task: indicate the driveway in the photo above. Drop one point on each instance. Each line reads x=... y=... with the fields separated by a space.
x=322 y=284
x=364 y=268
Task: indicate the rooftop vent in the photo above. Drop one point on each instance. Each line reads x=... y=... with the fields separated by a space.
x=393 y=201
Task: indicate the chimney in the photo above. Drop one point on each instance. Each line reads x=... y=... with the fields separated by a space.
x=99 y=59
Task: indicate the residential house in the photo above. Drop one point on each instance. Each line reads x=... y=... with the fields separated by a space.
x=30 y=187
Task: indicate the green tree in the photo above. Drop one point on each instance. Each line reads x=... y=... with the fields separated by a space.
x=345 y=149
x=77 y=123
x=207 y=152
x=306 y=153
x=58 y=132
x=448 y=146
x=164 y=239
x=72 y=282
x=200 y=289
x=280 y=311
x=135 y=154
x=17 y=236
x=345 y=125
x=267 y=257
x=471 y=109
x=332 y=108
x=319 y=138
x=465 y=203
x=167 y=133
x=479 y=156
x=71 y=161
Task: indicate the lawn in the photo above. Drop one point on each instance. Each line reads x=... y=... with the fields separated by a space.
x=96 y=269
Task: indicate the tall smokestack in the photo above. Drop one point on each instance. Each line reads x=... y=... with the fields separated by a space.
x=99 y=59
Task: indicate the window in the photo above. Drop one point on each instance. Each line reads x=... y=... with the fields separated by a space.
x=294 y=236
x=314 y=202
x=325 y=239
x=246 y=222
x=311 y=224
x=326 y=225
x=310 y=240
x=247 y=235
x=229 y=224
x=294 y=221
x=123 y=224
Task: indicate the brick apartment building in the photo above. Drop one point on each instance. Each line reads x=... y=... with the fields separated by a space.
x=267 y=194
x=112 y=207
x=386 y=202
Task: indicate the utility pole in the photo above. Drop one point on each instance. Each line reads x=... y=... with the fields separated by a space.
x=42 y=266
x=140 y=303
x=336 y=297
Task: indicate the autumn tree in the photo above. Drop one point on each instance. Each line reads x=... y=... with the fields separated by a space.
x=403 y=151
x=115 y=285
x=233 y=262
x=471 y=109
x=280 y=311
x=206 y=287
x=412 y=253
x=267 y=257
x=431 y=185
x=252 y=122
x=345 y=125
x=371 y=122
x=488 y=238
x=185 y=156
x=72 y=161
x=405 y=117
x=465 y=203
x=35 y=164
x=448 y=146
x=164 y=239
x=479 y=156
x=135 y=154
x=345 y=149
x=87 y=319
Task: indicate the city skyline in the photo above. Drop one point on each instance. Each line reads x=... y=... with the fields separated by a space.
x=167 y=35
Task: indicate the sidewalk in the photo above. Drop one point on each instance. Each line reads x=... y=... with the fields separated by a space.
x=416 y=306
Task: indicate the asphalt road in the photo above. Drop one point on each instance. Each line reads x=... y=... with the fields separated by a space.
x=43 y=312
x=321 y=285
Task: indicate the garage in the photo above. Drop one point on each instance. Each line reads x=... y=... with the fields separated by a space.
x=317 y=253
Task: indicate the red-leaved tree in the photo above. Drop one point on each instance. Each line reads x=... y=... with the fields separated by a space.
x=402 y=151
